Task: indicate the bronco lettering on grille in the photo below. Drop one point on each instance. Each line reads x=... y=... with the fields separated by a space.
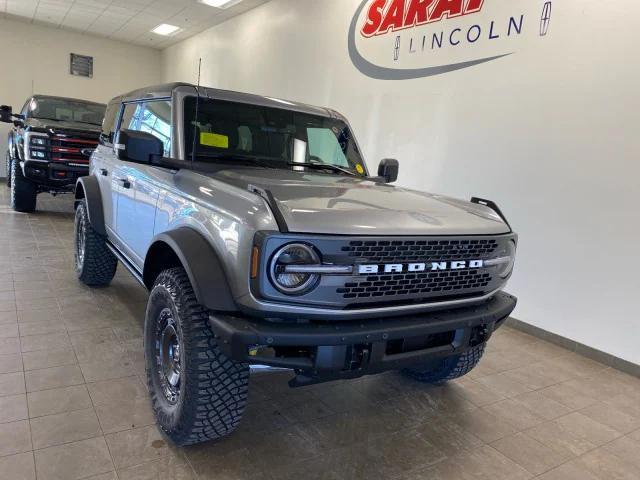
x=419 y=267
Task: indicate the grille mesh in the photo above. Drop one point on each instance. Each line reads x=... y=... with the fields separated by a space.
x=428 y=283
x=381 y=251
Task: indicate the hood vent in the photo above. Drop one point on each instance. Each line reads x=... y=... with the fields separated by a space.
x=268 y=197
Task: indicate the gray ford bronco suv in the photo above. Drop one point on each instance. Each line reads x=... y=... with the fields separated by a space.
x=264 y=240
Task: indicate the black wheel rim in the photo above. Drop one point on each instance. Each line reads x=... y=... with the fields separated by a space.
x=169 y=356
x=81 y=236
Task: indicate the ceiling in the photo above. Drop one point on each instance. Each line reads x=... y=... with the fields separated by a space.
x=125 y=20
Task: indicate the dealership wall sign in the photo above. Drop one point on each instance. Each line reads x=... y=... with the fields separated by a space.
x=406 y=39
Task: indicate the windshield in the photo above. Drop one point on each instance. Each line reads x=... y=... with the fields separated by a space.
x=270 y=137
x=66 y=110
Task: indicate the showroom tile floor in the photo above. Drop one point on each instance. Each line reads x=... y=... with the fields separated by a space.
x=73 y=404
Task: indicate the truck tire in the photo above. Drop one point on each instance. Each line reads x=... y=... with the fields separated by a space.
x=23 y=191
x=197 y=393
x=450 y=368
x=95 y=264
x=8 y=169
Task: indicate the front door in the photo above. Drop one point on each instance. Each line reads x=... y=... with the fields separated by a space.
x=103 y=161
x=137 y=191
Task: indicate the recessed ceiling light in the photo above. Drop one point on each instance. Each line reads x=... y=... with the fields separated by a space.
x=165 y=29
x=220 y=3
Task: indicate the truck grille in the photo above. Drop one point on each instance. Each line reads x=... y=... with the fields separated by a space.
x=73 y=147
x=383 y=251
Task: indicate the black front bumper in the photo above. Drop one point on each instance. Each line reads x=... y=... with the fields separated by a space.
x=322 y=351
x=53 y=175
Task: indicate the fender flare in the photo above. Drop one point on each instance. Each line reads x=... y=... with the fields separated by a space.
x=88 y=188
x=202 y=264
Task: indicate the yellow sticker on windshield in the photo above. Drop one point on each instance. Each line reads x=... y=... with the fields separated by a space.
x=359 y=169
x=214 y=140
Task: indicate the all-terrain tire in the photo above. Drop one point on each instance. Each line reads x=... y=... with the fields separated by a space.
x=95 y=264
x=210 y=397
x=23 y=191
x=8 y=169
x=450 y=368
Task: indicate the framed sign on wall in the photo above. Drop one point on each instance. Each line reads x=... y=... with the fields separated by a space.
x=81 y=65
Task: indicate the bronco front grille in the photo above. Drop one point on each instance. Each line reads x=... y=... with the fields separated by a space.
x=424 y=286
x=382 y=251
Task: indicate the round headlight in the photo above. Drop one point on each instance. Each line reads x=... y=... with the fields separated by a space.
x=507 y=267
x=292 y=255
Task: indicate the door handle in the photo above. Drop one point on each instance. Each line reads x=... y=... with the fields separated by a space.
x=124 y=182
x=104 y=172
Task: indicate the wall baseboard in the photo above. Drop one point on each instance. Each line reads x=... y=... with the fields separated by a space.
x=579 y=348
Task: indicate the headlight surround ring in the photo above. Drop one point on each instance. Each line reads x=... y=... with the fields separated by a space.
x=294 y=254
x=507 y=269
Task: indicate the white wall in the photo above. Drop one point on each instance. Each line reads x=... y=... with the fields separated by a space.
x=35 y=59
x=550 y=133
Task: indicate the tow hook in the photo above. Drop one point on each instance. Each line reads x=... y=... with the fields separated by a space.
x=360 y=355
x=479 y=335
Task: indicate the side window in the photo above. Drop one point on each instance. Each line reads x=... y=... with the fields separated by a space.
x=25 y=110
x=153 y=117
x=109 y=124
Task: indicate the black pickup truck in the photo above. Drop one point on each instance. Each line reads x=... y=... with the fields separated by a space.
x=49 y=146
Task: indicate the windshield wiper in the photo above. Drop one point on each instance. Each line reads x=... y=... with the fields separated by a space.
x=323 y=166
x=63 y=120
x=86 y=123
x=239 y=158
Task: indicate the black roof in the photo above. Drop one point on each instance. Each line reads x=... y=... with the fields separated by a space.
x=162 y=90
x=167 y=90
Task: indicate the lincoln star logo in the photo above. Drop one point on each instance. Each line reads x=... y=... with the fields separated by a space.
x=407 y=39
x=419 y=267
x=545 y=20
x=87 y=152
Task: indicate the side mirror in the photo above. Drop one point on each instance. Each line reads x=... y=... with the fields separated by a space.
x=138 y=147
x=388 y=170
x=6 y=114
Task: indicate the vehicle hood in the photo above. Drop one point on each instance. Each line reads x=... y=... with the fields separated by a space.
x=334 y=204
x=46 y=124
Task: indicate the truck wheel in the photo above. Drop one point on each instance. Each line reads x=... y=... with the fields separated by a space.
x=23 y=191
x=450 y=368
x=8 y=169
x=95 y=264
x=197 y=393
